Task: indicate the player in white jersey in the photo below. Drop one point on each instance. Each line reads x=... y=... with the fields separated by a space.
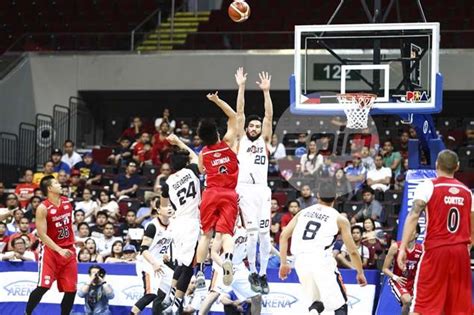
x=254 y=193
x=240 y=284
x=313 y=232
x=150 y=265
x=183 y=191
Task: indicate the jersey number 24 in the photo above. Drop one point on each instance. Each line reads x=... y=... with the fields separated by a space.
x=185 y=193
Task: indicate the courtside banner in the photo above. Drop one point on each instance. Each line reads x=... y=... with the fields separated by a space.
x=19 y=279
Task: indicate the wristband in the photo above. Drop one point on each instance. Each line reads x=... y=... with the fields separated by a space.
x=395 y=278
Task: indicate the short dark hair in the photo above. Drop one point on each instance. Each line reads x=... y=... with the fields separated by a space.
x=69 y=141
x=132 y=211
x=79 y=210
x=378 y=155
x=294 y=200
x=102 y=212
x=327 y=192
x=101 y=271
x=207 y=131
x=82 y=224
x=251 y=118
x=179 y=159
x=368 y=189
x=45 y=183
x=109 y=223
x=356 y=227
x=371 y=220
x=35 y=197
x=16 y=239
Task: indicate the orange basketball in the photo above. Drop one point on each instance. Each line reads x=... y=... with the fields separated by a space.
x=239 y=11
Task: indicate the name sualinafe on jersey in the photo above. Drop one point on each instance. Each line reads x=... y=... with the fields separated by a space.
x=316 y=215
x=182 y=181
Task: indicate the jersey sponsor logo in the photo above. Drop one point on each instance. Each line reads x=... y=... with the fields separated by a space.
x=449 y=200
x=454 y=190
x=221 y=161
x=216 y=155
x=53 y=211
x=254 y=149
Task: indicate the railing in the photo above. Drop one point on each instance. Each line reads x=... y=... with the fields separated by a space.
x=8 y=157
x=45 y=137
x=27 y=145
x=61 y=124
x=83 y=126
x=153 y=21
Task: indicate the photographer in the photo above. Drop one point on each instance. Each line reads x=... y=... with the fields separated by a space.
x=96 y=293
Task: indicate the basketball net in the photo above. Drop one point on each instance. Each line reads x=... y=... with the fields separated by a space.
x=357 y=107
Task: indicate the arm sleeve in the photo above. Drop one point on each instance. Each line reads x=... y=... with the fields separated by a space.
x=194 y=167
x=150 y=231
x=165 y=190
x=424 y=191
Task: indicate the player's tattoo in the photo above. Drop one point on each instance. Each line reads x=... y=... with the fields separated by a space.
x=418 y=207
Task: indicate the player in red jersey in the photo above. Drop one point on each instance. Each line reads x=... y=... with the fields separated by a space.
x=400 y=281
x=57 y=261
x=218 y=160
x=443 y=280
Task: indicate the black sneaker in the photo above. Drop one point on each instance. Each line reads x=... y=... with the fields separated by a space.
x=264 y=284
x=255 y=282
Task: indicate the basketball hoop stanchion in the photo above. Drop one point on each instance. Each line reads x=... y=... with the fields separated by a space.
x=357 y=107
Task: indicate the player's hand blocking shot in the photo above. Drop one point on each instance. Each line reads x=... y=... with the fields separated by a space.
x=313 y=232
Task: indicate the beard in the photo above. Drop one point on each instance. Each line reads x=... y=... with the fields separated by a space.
x=252 y=138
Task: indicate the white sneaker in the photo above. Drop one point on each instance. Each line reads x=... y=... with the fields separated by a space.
x=228 y=272
x=200 y=280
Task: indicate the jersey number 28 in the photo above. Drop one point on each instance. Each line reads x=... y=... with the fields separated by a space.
x=185 y=193
x=311 y=229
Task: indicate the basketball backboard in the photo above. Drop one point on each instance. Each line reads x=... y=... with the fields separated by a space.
x=398 y=62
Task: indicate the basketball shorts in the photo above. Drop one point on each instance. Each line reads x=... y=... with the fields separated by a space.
x=443 y=282
x=240 y=283
x=399 y=290
x=318 y=271
x=153 y=282
x=53 y=267
x=185 y=239
x=255 y=204
x=219 y=210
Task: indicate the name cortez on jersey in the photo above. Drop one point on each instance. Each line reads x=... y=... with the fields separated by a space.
x=454 y=200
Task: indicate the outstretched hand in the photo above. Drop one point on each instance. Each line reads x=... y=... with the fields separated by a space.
x=213 y=97
x=265 y=80
x=173 y=139
x=240 y=76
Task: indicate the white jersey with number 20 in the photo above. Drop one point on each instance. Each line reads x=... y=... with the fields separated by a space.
x=315 y=231
x=253 y=161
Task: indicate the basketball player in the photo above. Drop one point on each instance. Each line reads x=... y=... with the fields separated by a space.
x=400 y=281
x=240 y=285
x=183 y=191
x=254 y=193
x=57 y=259
x=443 y=280
x=150 y=265
x=313 y=232
x=219 y=200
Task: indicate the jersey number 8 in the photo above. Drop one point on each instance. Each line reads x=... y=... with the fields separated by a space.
x=311 y=230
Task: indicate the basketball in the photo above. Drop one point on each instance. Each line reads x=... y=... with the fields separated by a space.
x=239 y=11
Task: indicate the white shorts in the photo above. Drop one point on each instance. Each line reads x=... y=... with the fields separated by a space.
x=240 y=283
x=255 y=204
x=319 y=272
x=185 y=239
x=151 y=281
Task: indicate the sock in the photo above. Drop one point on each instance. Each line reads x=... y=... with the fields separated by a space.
x=67 y=302
x=228 y=256
x=34 y=299
x=200 y=267
x=265 y=248
x=252 y=238
x=178 y=304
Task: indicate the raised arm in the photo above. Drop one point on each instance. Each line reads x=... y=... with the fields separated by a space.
x=174 y=140
x=240 y=79
x=345 y=229
x=267 y=126
x=232 y=132
x=408 y=229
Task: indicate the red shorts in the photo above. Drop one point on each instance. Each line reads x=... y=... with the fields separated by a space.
x=443 y=282
x=399 y=290
x=219 y=210
x=53 y=267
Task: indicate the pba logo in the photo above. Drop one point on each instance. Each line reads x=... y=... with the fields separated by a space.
x=133 y=293
x=352 y=300
x=416 y=96
x=279 y=300
x=20 y=288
